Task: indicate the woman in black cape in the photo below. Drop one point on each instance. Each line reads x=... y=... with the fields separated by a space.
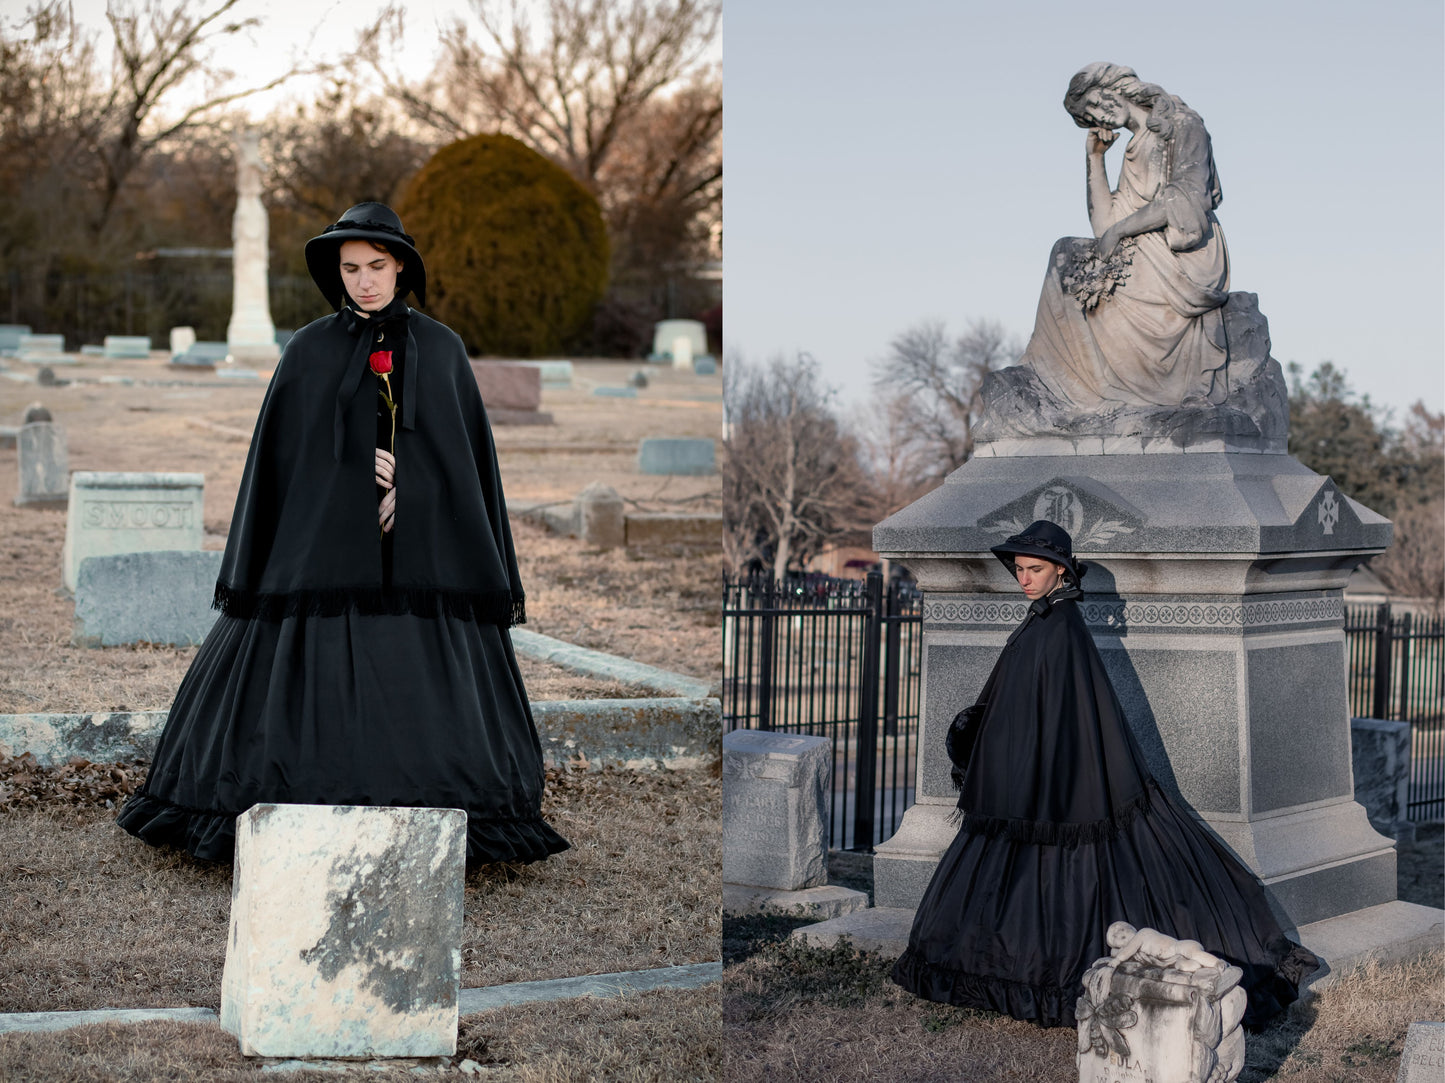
x=1064 y=831
x=361 y=655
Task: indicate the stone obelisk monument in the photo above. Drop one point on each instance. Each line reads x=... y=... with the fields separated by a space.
x=251 y=336
x=1148 y=419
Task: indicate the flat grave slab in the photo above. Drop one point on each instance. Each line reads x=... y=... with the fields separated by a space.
x=47 y=348
x=346 y=928
x=10 y=336
x=130 y=512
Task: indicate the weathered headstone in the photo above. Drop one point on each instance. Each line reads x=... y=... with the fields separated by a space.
x=554 y=373
x=36 y=411
x=508 y=386
x=666 y=333
x=47 y=348
x=1423 y=1059
x=601 y=517
x=615 y=392
x=346 y=928
x=10 y=336
x=704 y=366
x=157 y=597
x=776 y=800
x=130 y=513
x=1168 y=1012
x=638 y=379
x=44 y=465
x=127 y=347
x=182 y=339
x=676 y=455
x=1380 y=758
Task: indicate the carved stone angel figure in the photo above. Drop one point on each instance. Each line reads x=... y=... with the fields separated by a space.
x=1137 y=316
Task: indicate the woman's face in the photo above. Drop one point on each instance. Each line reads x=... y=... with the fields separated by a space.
x=1037 y=576
x=369 y=274
x=1105 y=108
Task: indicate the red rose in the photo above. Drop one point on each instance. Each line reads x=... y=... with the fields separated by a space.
x=381 y=362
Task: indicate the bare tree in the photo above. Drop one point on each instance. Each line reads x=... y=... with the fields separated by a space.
x=793 y=479
x=900 y=461
x=942 y=379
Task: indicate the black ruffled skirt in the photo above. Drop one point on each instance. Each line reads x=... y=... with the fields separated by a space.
x=392 y=709
x=1017 y=912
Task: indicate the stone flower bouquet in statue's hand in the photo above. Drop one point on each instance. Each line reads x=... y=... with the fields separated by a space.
x=1089 y=277
x=381 y=365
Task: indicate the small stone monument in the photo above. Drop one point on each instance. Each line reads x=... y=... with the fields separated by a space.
x=127 y=512
x=776 y=799
x=156 y=597
x=182 y=339
x=346 y=931
x=682 y=353
x=666 y=333
x=44 y=461
x=601 y=517
x=126 y=347
x=250 y=335
x=1423 y=1059
x=1159 y=1009
x=676 y=455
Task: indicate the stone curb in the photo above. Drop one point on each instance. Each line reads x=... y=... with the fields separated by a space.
x=469 y=1002
x=674 y=733
x=599 y=664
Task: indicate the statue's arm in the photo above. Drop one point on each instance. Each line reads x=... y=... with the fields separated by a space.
x=1146 y=219
x=1101 y=198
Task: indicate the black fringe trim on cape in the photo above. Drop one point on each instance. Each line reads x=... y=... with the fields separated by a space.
x=486 y=607
x=1042 y=1005
x=1048 y=833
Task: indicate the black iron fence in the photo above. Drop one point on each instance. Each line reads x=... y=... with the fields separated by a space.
x=836 y=658
x=1397 y=671
x=841 y=658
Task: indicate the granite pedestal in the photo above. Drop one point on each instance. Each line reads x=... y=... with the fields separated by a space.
x=1215 y=597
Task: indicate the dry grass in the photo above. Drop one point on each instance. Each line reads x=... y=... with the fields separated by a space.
x=93 y=918
x=659 y=609
x=794 y=1013
x=656 y=1037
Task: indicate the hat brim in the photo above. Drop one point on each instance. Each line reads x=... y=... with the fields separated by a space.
x=1006 y=554
x=324 y=263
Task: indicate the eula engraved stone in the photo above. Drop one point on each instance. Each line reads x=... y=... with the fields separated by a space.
x=346 y=926
x=776 y=802
x=1423 y=1059
x=1160 y=1010
x=130 y=512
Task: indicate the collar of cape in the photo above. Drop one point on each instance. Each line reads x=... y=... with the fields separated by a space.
x=395 y=313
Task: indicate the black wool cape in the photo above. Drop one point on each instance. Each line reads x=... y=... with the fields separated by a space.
x=305 y=539
x=1065 y=831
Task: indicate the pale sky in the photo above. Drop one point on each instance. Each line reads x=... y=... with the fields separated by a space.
x=892 y=163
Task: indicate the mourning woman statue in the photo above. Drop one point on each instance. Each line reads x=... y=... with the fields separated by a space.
x=1136 y=316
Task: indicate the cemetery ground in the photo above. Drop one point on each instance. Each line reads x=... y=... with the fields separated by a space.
x=797 y=1013
x=648 y=606
x=90 y=917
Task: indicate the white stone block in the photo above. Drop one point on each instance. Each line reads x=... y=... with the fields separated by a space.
x=126 y=512
x=776 y=801
x=182 y=339
x=346 y=927
x=1423 y=1058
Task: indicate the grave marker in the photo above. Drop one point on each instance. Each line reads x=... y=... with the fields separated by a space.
x=507 y=386
x=601 y=518
x=10 y=336
x=130 y=513
x=666 y=333
x=676 y=455
x=182 y=339
x=157 y=597
x=127 y=347
x=44 y=464
x=776 y=801
x=346 y=926
x=1423 y=1059
x=47 y=348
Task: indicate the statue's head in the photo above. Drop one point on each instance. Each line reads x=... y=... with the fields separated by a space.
x=1118 y=934
x=1097 y=90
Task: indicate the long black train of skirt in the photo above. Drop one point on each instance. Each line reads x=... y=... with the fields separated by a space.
x=349 y=710
x=1010 y=925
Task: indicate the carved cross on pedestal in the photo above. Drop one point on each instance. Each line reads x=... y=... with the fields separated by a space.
x=1329 y=511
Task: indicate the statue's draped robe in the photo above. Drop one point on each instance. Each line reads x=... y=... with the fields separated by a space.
x=1158 y=338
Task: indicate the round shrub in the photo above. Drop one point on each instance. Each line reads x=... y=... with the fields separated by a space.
x=515 y=248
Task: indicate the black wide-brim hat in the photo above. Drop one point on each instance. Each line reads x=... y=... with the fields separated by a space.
x=365 y=222
x=1042 y=538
